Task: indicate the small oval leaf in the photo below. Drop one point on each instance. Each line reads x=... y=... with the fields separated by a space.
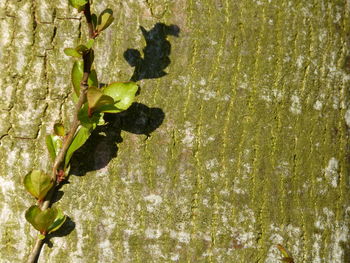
x=77 y=75
x=78 y=3
x=59 y=129
x=89 y=122
x=38 y=184
x=104 y=20
x=59 y=221
x=96 y=98
x=123 y=94
x=51 y=146
x=90 y=43
x=72 y=52
x=41 y=220
x=81 y=49
x=92 y=80
x=79 y=139
x=54 y=145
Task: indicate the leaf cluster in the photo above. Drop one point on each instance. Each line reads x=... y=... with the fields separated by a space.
x=38 y=184
x=113 y=98
x=94 y=102
x=100 y=23
x=45 y=221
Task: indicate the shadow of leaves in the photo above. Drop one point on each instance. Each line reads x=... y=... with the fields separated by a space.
x=67 y=227
x=102 y=146
x=155 y=55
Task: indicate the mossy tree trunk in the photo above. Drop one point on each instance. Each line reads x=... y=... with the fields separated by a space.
x=243 y=145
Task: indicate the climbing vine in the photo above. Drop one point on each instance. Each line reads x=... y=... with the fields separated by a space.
x=92 y=101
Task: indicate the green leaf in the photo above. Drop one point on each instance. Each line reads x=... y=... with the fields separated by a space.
x=38 y=184
x=77 y=75
x=92 y=81
x=81 y=49
x=41 y=220
x=59 y=221
x=123 y=94
x=54 y=145
x=72 y=52
x=59 y=129
x=90 y=43
x=104 y=20
x=79 y=139
x=89 y=122
x=75 y=98
x=78 y=3
x=97 y=99
x=101 y=120
x=81 y=8
x=51 y=146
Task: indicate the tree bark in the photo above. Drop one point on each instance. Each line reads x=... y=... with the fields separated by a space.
x=238 y=140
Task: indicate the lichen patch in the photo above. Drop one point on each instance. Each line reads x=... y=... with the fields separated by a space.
x=181 y=236
x=152 y=233
x=153 y=202
x=318 y=105
x=295 y=106
x=189 y=134
x=331 y=172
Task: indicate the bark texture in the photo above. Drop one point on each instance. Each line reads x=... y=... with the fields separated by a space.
x=242 y=145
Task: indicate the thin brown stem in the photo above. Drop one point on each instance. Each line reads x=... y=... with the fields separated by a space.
x=33 y=257
x=60 y=158
x=59 y=161
x=88 y=17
